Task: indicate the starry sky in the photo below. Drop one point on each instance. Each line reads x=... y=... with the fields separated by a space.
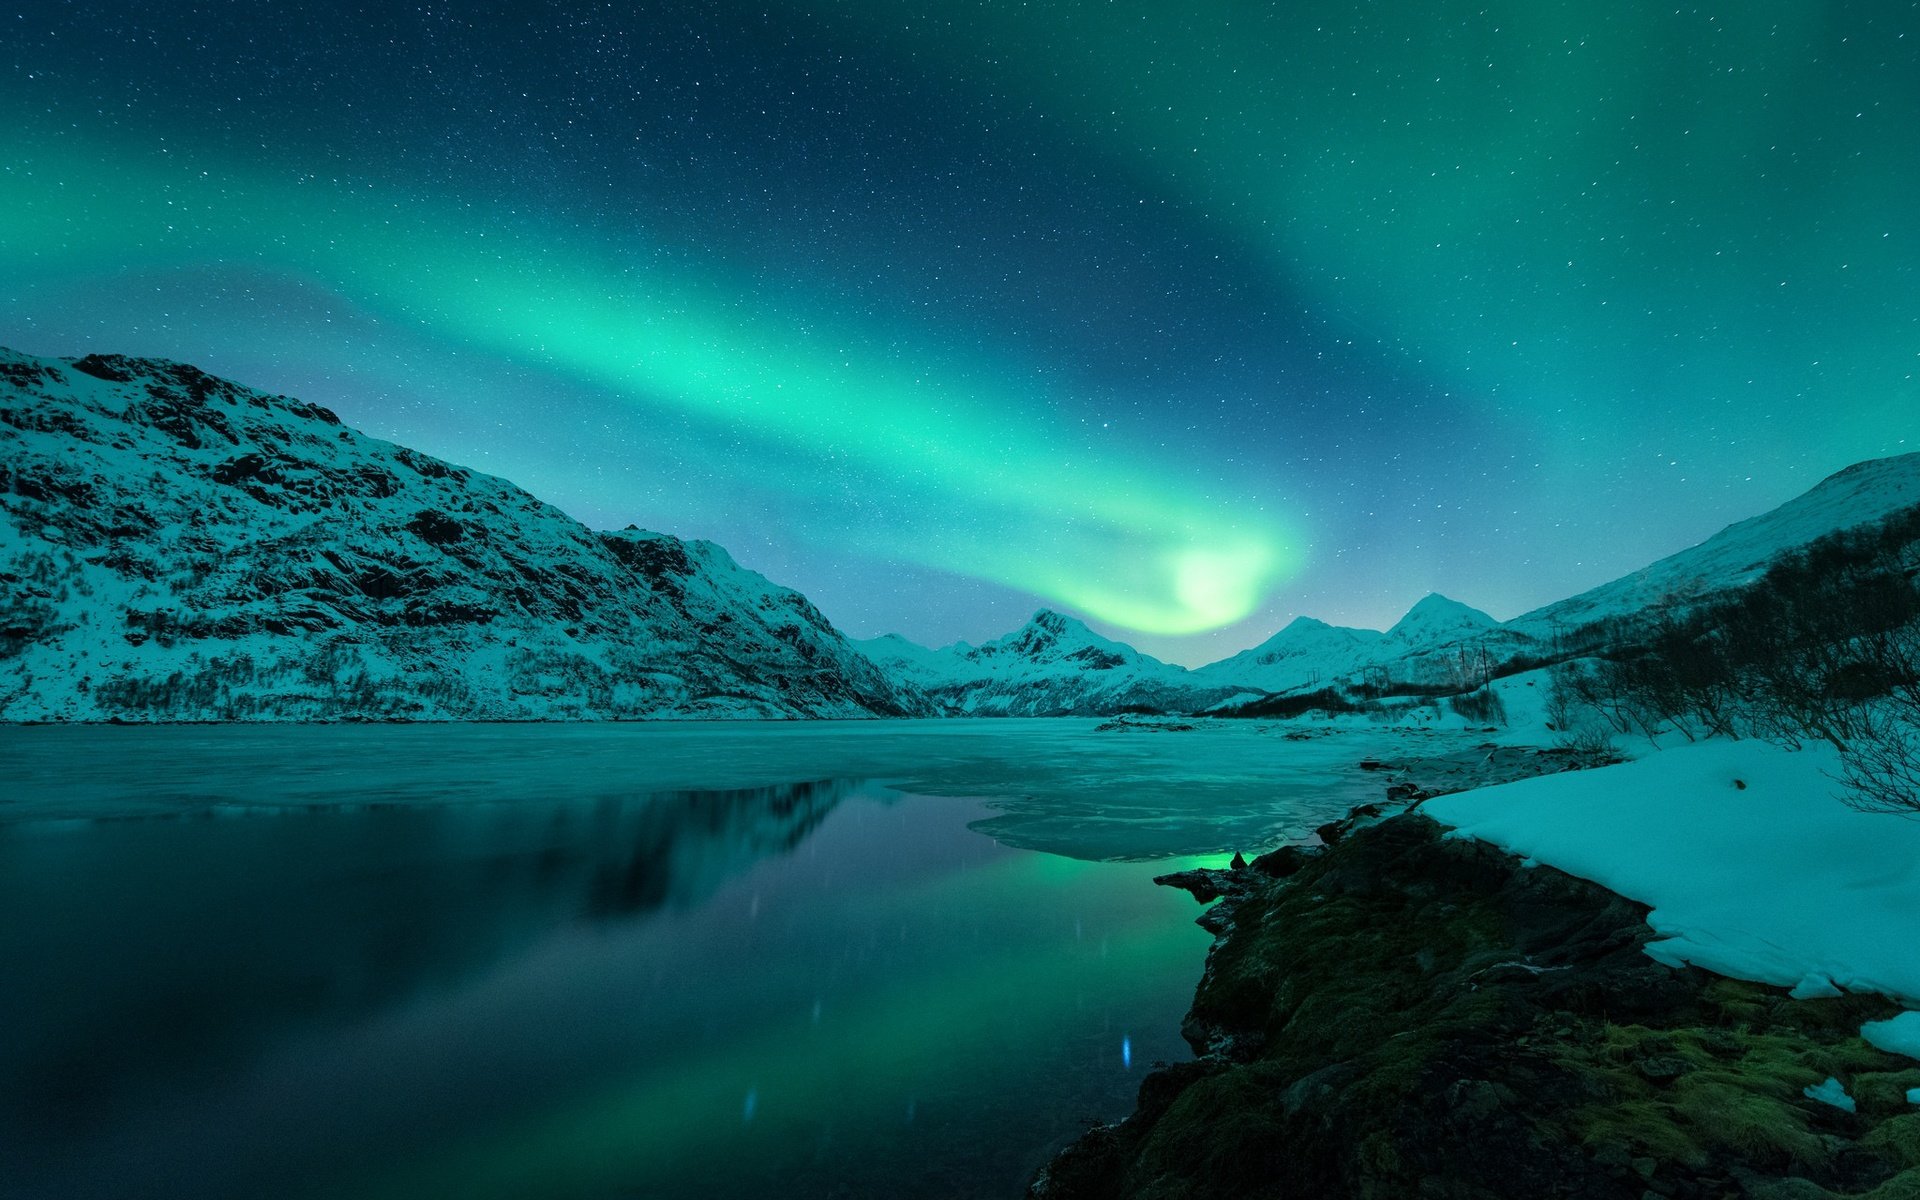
x=1182 y=318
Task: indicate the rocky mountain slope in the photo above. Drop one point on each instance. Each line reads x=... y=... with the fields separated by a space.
x=1051 y=666
x=177 y=547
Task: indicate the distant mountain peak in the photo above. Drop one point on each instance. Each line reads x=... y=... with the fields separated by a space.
x=1894 y=464
x=1051 y=665
x=1436 y=602
x=1437 y=614
x=1050 y=635
x=1054 y=625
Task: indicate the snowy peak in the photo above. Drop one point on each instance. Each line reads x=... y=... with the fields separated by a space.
x=1312 y=631
x=1051 y=637
x=1301 y=638
x=1307 y=653
x=1052 y=665
x=1438 y=619
x=1301 y=628
x=1308 y=636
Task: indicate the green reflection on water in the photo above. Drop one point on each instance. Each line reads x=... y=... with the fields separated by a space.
x=864 y=1077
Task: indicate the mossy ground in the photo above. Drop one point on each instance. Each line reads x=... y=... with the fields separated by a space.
x=1412 y=1016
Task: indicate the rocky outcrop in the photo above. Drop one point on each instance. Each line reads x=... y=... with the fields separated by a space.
x=1403 y=1014
x=174 y=546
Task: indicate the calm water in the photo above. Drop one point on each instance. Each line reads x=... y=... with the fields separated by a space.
x=528 y=961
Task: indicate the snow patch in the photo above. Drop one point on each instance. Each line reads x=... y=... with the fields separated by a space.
x=1814 y=986
x=1831 y=1092
x=1774 y=883
x=1898 y=1035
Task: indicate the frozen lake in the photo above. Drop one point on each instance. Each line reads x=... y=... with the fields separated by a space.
x=809 y=960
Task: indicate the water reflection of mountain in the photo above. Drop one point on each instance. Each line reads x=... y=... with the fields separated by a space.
x=141 y=955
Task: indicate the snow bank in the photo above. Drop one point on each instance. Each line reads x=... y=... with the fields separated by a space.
x=1775 y=881
x=1901 y=1035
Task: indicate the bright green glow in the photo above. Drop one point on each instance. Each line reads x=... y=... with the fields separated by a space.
x=1622 y=228
x=1110 y=534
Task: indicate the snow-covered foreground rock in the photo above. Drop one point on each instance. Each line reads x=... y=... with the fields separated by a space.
x=177 y=547
x=1752 y=866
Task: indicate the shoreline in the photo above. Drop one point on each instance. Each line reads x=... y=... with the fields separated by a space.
x=1400 y=1012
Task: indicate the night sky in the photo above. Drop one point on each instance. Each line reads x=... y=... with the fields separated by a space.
x=1184 y=318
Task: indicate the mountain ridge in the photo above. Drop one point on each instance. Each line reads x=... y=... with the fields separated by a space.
x=1860 y=494
x=180 y=547
x=1444 y=644
x=1052 y=665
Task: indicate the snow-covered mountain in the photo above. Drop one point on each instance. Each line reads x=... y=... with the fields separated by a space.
x=1436 y=620
x=177 y=547
x=1440 y=644
x=1307 y=654
x=1865 y=493
x=1051 y=666
x=1056 y=665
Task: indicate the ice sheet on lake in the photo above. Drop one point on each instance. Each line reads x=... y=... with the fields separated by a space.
x=1062 y=785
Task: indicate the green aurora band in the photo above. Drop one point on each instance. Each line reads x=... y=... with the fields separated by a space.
x=1621 y=228
x=1116 y=539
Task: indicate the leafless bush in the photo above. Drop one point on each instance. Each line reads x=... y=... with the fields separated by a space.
x=1482 y=707
x=1880 y=766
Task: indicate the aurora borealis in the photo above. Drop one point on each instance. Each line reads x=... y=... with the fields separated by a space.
x=1185 y=318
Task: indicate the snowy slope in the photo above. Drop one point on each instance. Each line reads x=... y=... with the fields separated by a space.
x=1438 y=644
x=914 y=664
x=1863 y=493
x=1306 y=655
x=1052 y=665
x=1753 y=868
x=1437 y=620
x=1444 y=643
x=177 y=547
